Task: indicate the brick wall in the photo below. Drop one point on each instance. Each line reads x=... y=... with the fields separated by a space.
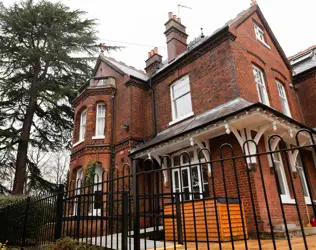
x=306 y=91
x=208 y=78
x=247 y=50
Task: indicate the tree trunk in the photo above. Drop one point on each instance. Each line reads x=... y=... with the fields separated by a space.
x=20 y=171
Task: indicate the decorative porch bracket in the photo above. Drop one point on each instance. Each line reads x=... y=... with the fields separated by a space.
x=206 y=154
x=164 y=172
x=244 y=136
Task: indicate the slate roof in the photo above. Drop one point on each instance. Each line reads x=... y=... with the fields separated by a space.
x=307 y=63
x=130 y=70
x=193 y=123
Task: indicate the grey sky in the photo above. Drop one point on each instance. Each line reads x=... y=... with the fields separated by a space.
x=142 y=22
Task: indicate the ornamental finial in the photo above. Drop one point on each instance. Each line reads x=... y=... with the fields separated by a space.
x=102 y=47
x=253 y=2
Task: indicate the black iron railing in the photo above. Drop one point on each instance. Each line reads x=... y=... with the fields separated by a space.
x=251 y=200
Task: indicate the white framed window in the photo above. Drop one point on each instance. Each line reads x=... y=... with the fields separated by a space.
x=101 y=82
x=261 y=86
x=97 y=187
x=283 y=99
x=191 y=181
x=100 y=121
x=259 y=33
x=83 y=120
x=284 y=188
x=181 y=99
x=78 y=184
x=300 y=170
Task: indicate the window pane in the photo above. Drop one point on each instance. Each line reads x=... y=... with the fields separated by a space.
x=183 y=105
x=176 y=179
x=180 y=88
x=303 y=182
x=185 y=178
x=176 y=160
x=100 y=120
x=280 y=178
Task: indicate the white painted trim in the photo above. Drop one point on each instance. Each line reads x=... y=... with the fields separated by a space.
x=181 y=118
x=77 y=143
x=286 y=199
x=98 y=137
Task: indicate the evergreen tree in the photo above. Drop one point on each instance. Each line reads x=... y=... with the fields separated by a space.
x=40 y=72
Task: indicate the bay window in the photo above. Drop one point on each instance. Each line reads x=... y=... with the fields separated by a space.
x=300 y=170
x=100 y=121
x=82 y=130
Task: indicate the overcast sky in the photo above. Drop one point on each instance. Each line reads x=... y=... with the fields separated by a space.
x=142 y=22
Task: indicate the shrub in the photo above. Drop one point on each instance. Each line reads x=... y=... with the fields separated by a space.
x=71 y=244
x=40 y=213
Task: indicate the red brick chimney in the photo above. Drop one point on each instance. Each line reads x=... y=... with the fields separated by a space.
x=176 y=37
x=153 y=62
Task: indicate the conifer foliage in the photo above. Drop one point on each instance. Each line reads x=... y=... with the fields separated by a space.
x=44 y=57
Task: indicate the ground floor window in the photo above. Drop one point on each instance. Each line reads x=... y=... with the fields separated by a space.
x=300 y=170
x=190 y=176
x=280 y=171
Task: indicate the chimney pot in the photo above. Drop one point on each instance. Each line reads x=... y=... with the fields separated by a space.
x=155 y=50
x=149 y=54
x=170 y=15
x=176 y=37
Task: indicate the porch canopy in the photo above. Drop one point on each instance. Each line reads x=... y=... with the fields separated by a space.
x=245 y=120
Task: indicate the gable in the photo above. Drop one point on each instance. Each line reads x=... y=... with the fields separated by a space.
x=255 y=15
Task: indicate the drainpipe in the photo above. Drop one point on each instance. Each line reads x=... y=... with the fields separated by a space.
x=112 y=153
x=153 y=108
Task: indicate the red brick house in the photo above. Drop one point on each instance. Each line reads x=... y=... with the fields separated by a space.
x=229 y=87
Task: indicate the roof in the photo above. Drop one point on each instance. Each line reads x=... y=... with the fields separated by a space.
x=130 y=70
x=304 y=60
x=301 y=53
x=214 y=114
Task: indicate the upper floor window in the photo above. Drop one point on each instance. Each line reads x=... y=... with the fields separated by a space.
x=181 y=99
x=83 y=119
x=100 y=120
x=101 y=82
x=283 y=99
x=259 y=33
x=261 y=86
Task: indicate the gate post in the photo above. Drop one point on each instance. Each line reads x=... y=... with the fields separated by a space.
x=124 y=220
x=26 y=215
x=178 y=216
x=59 y=212
x=136 y=206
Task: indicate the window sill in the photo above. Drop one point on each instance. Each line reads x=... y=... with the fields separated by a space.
x=287 y=199
x=98 y=137
x=181 y=118
x=308 y=201
x=264 y=44
x=77 y=143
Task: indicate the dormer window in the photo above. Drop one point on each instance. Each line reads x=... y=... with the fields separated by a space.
x=260 y=35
